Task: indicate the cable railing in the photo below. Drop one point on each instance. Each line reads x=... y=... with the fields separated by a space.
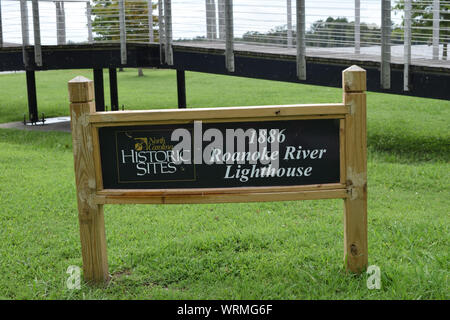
x=401 y=31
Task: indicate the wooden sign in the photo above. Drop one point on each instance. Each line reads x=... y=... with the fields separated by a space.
x=216 y=155
x=143 y=156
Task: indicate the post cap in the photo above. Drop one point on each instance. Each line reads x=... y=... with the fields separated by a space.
x=354 y=79
x=81 y=89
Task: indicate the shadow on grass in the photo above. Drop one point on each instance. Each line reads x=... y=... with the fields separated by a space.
x=407 y=149
x=402 y=148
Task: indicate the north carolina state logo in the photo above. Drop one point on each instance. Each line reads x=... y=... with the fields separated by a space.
x=141 y=144
x=150 y=144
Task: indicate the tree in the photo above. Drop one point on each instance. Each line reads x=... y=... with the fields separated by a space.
x=332 y=32
x=422 y=20
x=106 y=24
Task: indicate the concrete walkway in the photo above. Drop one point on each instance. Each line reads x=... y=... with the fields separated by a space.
x=51 y=124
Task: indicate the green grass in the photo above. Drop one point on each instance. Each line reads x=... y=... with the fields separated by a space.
x=282 y=250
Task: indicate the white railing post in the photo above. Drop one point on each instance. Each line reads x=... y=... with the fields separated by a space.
x=60 y=23
x=289 y=22
x=89 y=22
x=436 y=18
x=123 y=33
x=221 y=18
x=37 y=33
x=1 y=30
x=407 y=44
x=168 y=31
x=229 y=36
x=211 y=27
x=151 y=37
x=25 y=30
x=24 y=22
x=357 y=26
x=161 y=32
x=301 y=41
x=385 y=44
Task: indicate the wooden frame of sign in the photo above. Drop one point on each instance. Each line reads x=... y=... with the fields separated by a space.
x=348 y=183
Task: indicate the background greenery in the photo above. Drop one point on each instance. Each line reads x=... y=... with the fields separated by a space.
x=279 y=250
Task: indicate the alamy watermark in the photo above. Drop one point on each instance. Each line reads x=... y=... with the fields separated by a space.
x=374 y=279
x=235 y=143
x=74 y=280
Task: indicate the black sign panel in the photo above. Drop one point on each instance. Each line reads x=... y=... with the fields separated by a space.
x=220 y=155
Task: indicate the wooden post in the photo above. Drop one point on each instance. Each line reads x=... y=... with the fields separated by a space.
x=355 y=216
x=90 y=214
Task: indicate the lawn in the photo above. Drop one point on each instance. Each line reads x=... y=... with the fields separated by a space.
x=274 y=250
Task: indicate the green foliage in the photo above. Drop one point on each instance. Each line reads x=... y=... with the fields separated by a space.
x=332 y=32
x=339 y=32
x=422 y=16
x=106 y=20
x=422 y=21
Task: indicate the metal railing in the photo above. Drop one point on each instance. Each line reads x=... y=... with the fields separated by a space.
x=404 y=31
